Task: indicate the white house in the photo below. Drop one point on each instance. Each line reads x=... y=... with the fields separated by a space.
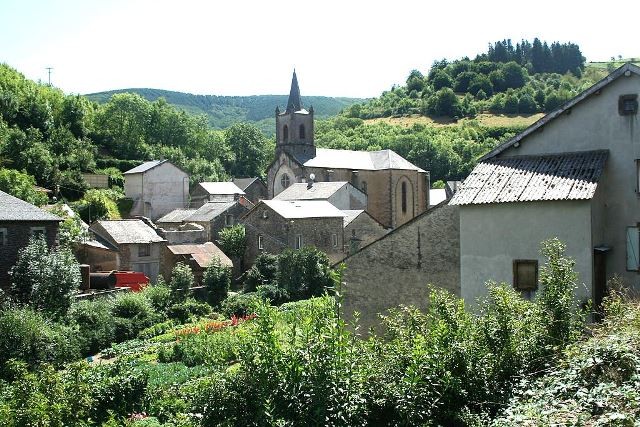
x=574 y=174
x=156 y=187
x=340 y=194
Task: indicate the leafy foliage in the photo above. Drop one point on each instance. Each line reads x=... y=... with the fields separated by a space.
x=233 y=241
x=181 y=282
x=217 y=280
x=22 y=186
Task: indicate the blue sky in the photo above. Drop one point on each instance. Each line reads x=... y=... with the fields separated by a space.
x=241 y=47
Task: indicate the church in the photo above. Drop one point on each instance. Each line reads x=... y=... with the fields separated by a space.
x=396 y=189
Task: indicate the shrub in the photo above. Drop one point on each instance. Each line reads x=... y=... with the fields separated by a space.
x=159 y=295
x=45 y=280
x=94 y=321
x=263 y=272
x=132 y=313
x=184 y=311
x=217 y=280
x=240 y=305
x=181 y=282
x=304 y=273
x=273 y=293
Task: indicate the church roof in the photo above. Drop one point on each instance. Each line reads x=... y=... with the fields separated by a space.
x=360 y=160
x=297 y=209
x=295 y=102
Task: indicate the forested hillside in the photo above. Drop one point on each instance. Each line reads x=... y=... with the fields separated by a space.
x=223 y=111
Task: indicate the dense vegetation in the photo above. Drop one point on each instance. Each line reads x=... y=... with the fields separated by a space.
x=301 y=364
x=528 y=78
x=223 y=111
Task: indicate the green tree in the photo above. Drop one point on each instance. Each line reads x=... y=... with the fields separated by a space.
x=45 y=279
x=97 y=204
x=181 y=282
x=22 y=186
x=441 y=79
x=514 y=75
x=217 y=280
x=233 y=241
x=263 y=272
x=250 y=148
x=444 y=103
x=304 y=273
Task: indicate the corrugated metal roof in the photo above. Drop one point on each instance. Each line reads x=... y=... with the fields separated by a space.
x=297 y=209
x=571 y=176
x=210 y=210
x=315 y=191
x=359 y=160
x=127 y=231
x=201 y=253
x=14 y=209
x=145 y=166
x=221 y=188
x=176 y=215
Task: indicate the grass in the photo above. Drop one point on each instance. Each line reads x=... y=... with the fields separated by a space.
x=483 y=119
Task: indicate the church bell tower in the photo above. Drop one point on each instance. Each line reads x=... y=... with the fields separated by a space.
x=294 y=127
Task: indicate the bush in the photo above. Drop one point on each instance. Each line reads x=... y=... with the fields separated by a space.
x=26 y=336
x=304 y=273
x=159 y=295
x=263 y=272
x=273 y=293
x=94 y=321
x=181 y=282
x=184 y=311
x=45 y=280
x=217 y=280
x=132 y=313
x=240 y=305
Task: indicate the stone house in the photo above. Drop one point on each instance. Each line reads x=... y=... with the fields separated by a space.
x=214 y=192
x=174 y=219
x=196 y=256
x=340 y=194
x=254 y=188
x=156 y=187
x=133 y=244
x=574 y=174
x=396 y=268
x=19 y=221
x=397 y=190
x=274 y=225
x=360 y=229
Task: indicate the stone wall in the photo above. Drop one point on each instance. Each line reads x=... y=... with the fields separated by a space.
x=397 y=268
x=365 y=229
x=17 y=237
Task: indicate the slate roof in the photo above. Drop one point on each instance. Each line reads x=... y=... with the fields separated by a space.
x=210 y=210
x=221 y=188
x=14 y=209
x=126 y=231
x=295 y=102
x=317 y=191
x=351 y=214
x=571 y=176
x=360 y=160
x=202 y=254
x=176 y=215
x=243 y=183
x=299 y=209
x=145 y=166
x=593 y=90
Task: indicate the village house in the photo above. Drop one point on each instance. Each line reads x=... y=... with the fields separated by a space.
x=131 y=245
x=360 y=229
x=397 y=190
x=254 y=188
x=274 y=225
x=574 y=175
x=19 y=221
x=214 y=192
x=196 y=256
x=156 y=187
x=174 y=219
x=340 y=194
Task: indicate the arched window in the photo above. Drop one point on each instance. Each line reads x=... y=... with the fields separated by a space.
x=302 y=135
x=404 y=197
x=285 y=133
x=285 y=181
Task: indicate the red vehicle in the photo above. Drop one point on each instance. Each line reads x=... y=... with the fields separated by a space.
x=134 y=280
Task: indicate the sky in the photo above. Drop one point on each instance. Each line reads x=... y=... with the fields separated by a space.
x=347 y=48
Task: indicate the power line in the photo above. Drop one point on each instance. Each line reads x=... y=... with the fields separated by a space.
x=49 y=70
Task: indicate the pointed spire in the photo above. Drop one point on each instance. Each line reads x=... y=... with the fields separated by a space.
x=295 y=103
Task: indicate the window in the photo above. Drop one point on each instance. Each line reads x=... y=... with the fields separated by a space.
x=3 y=237
x=364 y=187
x=285 y=133
x=302 y=135
x=260 y=246
x=404 y=197
x=299 y=241
x=628 y=105
x=638 y=176
x=39 y=232
x=633 y=248
x=525 y=275
x=144 y=249
x=334 y=240
x=285 y=181
x=228 y=220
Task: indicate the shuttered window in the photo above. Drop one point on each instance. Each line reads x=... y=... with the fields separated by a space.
x=633 y=248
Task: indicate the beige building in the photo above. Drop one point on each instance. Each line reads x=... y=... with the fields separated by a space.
x=340 y=194
x=397 y=190
x=156 y=188
x=574 y=174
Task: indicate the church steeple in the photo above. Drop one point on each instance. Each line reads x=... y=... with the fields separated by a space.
x=295 y=103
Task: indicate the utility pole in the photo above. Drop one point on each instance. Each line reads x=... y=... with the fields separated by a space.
x=49 y=70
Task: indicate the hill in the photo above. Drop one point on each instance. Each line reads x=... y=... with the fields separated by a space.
x=223 y=111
